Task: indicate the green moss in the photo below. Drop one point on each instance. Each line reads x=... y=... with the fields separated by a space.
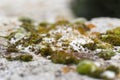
x=43 y=24
x=112 y=36
x=27 y=24
x=62 y=22
x=32 y=39
x=104 y=45
x=98 y=45
x=113 y=68
x=97 y=73
x=106 y=54
x=115 y=31
x=25 y=20
x=11 y=35
x=11 y=48
x=91 y=46
x=46 y=51
x=22 y=57
x=9 y=58
x=43 y=30
x=82 y=25
x=86 y=67
x=112 y=39
x=64 y=58
x=25 y=58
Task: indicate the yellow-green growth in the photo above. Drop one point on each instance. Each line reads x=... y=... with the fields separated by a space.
x=91 y=46
x=11 y=48
x=27 y=24
x=115 y=31
x=86 y=67
x=46 y=51
x=112 y=39
x=99 y=45
x=22 y=57
x=106 y=54
x=64 y=58
x=62 y=22
x=43 y=24
x=113 y=68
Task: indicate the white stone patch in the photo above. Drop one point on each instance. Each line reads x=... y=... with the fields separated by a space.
x=77 y=43
x=104 y=23
x=8 y=25
x=48 y=40
x=108 y=74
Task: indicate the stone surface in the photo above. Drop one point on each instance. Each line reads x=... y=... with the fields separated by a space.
x=36 y=9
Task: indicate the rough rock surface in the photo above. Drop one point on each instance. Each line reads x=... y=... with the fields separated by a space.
x=43 y=69
x=40 y=69
x=36 y=9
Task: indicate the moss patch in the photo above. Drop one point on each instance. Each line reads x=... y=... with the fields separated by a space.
x=106 y=54
x=22 y=57
x=64 y=58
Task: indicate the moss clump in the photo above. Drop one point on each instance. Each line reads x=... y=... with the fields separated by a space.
x=97 y=73
x=112 y=39
x=46 y=51
x=91 y=46
x=115 y=31
x=11 y=48
x=27 y=24
x=106 y=54
x=62 y=22
x=10 y=35
x=25 y=20
x=22 y=57
x=81 y=27
x=113 y=68
x=25 y=58
x=32 y=39
x=64 y=58
x=86 y=67
x=103 y=45
x=43 y=24
x=43 y=30
x=112 y=36
x=98 y=45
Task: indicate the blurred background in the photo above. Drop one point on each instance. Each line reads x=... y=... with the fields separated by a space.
x=96 y=8
x=49 y=10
